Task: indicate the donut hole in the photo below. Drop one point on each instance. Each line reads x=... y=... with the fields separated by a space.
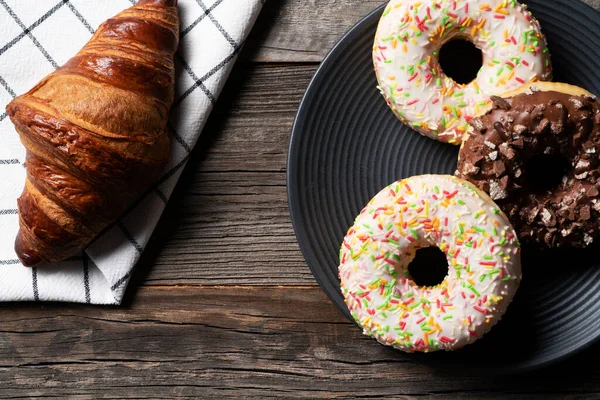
x=429 y=267
x=461 y=60
x=546 y=171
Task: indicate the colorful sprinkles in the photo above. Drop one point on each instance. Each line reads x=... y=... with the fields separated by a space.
x=406 y=59
x=483 y=256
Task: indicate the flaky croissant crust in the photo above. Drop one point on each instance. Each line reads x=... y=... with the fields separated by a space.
x=95 y=131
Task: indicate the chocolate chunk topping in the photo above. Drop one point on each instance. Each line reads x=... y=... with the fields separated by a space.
x=585 y=212
x=589 y=147
x=496 y=192
x=477 y=125
x=519 y=129
x=580 y=103
x=518 y=143
x=471 y=169
x=523 y=140
x=538 y=111
x=542 y=127
x=548 y=217
x=576 y=102
x=507 y=151
x=499 y=168
x=499 y=128
x=530 y=214
x=489 y=144
x=582 y=166
x=564 y=113
x=477 y=159
x=500 y=103
x=557 y=128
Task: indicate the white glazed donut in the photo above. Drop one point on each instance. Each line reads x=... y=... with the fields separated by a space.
x=431 y=210
x=406 y=59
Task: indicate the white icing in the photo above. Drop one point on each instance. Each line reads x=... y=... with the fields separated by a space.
x=411 y=32
x=428 y=211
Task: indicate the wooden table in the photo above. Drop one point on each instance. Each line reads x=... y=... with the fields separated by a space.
x=222 y=303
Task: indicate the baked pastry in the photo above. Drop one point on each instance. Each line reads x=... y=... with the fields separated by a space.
x=536 y=153
x=422 y=211
x=410 y=39
x=95 y=131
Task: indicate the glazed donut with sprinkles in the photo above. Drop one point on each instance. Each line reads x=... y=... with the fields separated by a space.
x=406 y=53
x=482 y=251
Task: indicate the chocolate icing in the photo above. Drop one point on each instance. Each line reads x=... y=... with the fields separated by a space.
x=505 y=146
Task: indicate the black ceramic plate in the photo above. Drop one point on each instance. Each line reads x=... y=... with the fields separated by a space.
x=346 y=146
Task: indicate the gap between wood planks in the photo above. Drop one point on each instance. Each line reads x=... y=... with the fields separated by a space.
x=242 y=287
x=273 y=341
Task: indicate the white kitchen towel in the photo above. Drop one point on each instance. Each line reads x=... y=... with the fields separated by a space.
x=37 y=36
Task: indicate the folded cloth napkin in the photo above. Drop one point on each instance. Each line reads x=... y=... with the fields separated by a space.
x=37 y=36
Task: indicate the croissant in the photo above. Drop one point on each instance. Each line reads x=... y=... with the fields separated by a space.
x=95 y=132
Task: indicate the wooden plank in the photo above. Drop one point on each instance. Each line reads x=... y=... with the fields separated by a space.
x=226 y=228
x=305 y=31
x=228 y=222
x=302 y=31
x=233 y=342
x=249 y=129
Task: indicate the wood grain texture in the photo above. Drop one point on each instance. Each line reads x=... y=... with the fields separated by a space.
x=228 y=221
x=301 y=31
x=214 y=309
x=233 y=342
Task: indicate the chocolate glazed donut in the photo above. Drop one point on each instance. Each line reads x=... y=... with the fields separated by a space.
x=536 y=154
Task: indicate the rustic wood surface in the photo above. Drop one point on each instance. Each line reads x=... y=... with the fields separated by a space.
x=222 y=303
